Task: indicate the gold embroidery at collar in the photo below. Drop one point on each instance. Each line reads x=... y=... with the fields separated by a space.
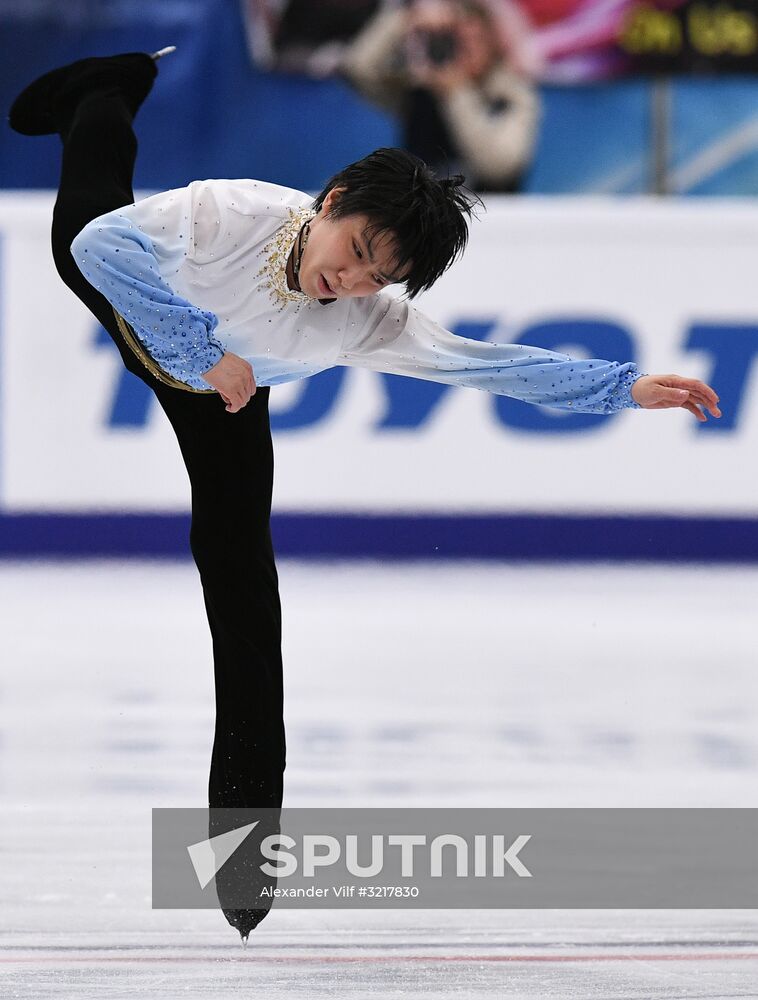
x=276 y=253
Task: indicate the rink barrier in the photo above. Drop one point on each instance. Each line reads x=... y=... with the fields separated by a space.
x=398 y=537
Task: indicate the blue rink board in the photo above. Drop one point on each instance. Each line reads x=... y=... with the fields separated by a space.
x=397 y=537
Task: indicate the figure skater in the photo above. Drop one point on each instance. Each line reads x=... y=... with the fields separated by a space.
x=214 y=292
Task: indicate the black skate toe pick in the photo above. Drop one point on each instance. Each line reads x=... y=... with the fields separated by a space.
x=39 y=107
x=245 y=921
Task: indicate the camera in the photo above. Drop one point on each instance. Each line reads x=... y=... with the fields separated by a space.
x=439 y=47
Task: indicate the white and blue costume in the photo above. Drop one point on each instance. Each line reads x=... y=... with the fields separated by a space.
x=201 y=270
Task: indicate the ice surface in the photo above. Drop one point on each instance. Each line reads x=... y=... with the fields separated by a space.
x=406 y=685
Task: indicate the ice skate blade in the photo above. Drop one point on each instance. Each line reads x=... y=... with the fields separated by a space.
x=163 y=52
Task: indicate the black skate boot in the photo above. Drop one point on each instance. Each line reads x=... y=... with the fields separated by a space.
x=244 y=888
x=41 y=108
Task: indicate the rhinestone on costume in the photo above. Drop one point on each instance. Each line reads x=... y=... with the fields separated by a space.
x=277 y=252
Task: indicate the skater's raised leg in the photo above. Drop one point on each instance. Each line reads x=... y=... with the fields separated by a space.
x=91 y=105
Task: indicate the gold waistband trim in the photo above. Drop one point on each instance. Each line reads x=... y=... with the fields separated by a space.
x=152 y=366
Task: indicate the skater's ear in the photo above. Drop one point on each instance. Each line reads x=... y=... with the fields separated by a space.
x=332 y=198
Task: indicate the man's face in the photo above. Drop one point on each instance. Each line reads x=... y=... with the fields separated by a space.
x=338 y=260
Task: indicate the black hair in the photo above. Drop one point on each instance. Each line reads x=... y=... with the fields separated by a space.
x=427 y=217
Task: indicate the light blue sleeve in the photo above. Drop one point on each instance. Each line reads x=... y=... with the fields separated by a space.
x=398 y=338
x=129 y=267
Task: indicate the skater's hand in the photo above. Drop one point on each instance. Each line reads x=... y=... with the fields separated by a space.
x=233 y=379
x=659 y=392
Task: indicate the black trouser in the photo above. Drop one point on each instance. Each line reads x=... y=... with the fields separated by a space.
x=229 y=458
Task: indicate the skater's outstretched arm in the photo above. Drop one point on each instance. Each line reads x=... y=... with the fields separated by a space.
x=398 y=338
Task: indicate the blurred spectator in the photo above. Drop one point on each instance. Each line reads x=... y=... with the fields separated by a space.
x=300 y=36
x=447 y=69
